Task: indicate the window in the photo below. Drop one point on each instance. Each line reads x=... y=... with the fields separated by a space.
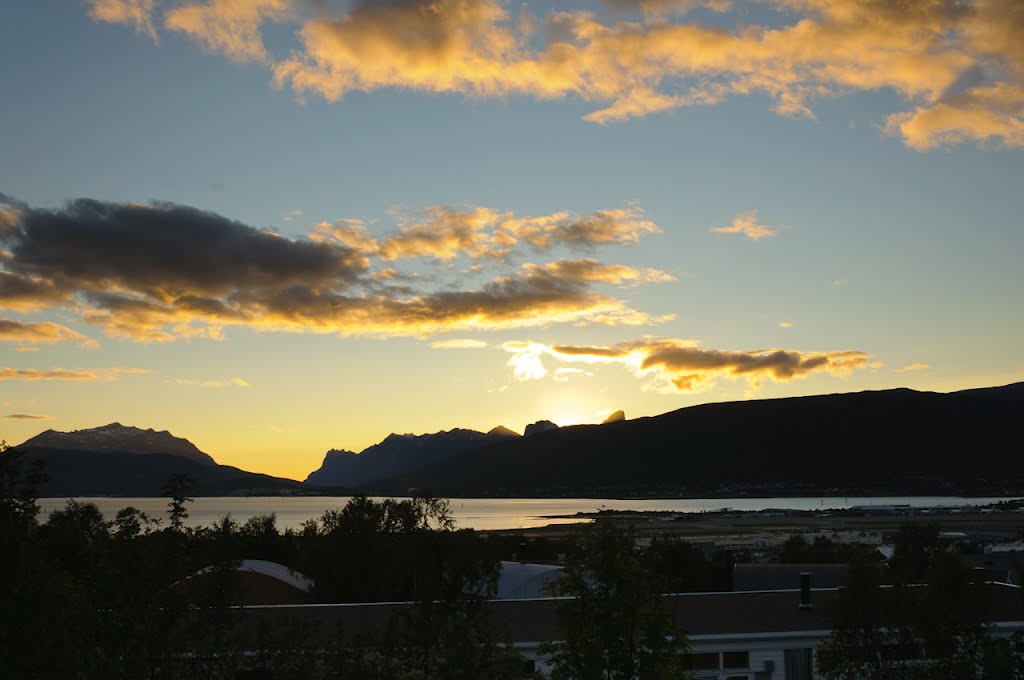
x=735 y=660
x=710 y=665
x=707 y=661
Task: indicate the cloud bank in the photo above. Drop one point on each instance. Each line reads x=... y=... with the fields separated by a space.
x=159 y=272
x=957 y=66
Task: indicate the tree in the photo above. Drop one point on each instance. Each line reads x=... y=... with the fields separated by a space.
x=18 y=491
x=916 y=548
x=617 y=625
x=935 y=630
x=870 y=638
x=179 y=489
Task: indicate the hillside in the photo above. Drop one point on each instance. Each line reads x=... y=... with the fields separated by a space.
x=893 y=441
x=400 y=453
x=118 y=460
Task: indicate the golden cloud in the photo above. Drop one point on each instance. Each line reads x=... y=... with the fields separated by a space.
x=73 y=375
x=624 y=226
x=157 y=273
x=993 y=113
x=231 y=27
x=459 y=343
x=212 y=384
x=683 y=365
x=28 y=416
x=591 y=270
x=746 y=224
x=920 y=49
x=9 y=216
x=958 y=65
x=135 y=13
x=444 y=233
x=45 y=333
x=913 y=367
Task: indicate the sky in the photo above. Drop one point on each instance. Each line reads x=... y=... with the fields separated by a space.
x=278 y=227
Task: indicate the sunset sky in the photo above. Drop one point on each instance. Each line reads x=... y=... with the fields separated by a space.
x=277 y=227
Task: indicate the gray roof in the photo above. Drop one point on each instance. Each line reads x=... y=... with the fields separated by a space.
x=699 y=614
x=786 y=576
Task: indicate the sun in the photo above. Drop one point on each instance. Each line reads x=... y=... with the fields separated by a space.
x=573 y=407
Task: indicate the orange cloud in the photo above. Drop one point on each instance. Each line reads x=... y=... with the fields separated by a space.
x=445 y=234
x=919 y=49
x=913 y=367
x=74 y=375
x=958 y=66
x=212 y=384
x=684 y=366
x=157 y=273
x=995 y=113
x=135 y=13
x=231 y=27
x=597 y=272
x=45 y=333
x=746 y=224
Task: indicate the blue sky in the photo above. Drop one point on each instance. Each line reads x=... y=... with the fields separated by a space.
x=575 y=261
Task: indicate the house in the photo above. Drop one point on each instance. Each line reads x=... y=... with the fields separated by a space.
x=747 y=635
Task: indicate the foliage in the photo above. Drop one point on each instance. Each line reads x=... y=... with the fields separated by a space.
x=680 y=567
x=904 y=631
x=617 y=625
x=178 y=488
x=796 y=550
x=89 y=598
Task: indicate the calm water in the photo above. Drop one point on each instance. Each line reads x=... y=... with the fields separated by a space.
x=493 y=513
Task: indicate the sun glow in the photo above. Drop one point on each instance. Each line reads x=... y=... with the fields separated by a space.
x=572 y=407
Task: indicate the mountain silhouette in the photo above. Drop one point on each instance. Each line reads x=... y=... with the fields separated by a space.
x=119 y=460
x=400 y=453
x=886 y=442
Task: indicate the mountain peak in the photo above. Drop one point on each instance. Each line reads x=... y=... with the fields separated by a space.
x=616 y=417
x=399 y=453
x=539 y=426
x=117 y=438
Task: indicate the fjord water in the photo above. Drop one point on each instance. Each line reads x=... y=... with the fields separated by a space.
x=494 y=513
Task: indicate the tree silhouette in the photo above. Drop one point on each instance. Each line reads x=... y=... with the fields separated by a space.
x=617 y=624
x=179 y=489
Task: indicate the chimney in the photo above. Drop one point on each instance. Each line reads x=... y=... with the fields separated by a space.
x=805 y=590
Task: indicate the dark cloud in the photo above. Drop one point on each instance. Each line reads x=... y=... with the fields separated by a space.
x=27 y=292
x=158 y=272
x=167 y=250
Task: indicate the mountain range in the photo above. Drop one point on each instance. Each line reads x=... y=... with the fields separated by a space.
x=883 y=442
x=400 y=453
x=890 y=442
